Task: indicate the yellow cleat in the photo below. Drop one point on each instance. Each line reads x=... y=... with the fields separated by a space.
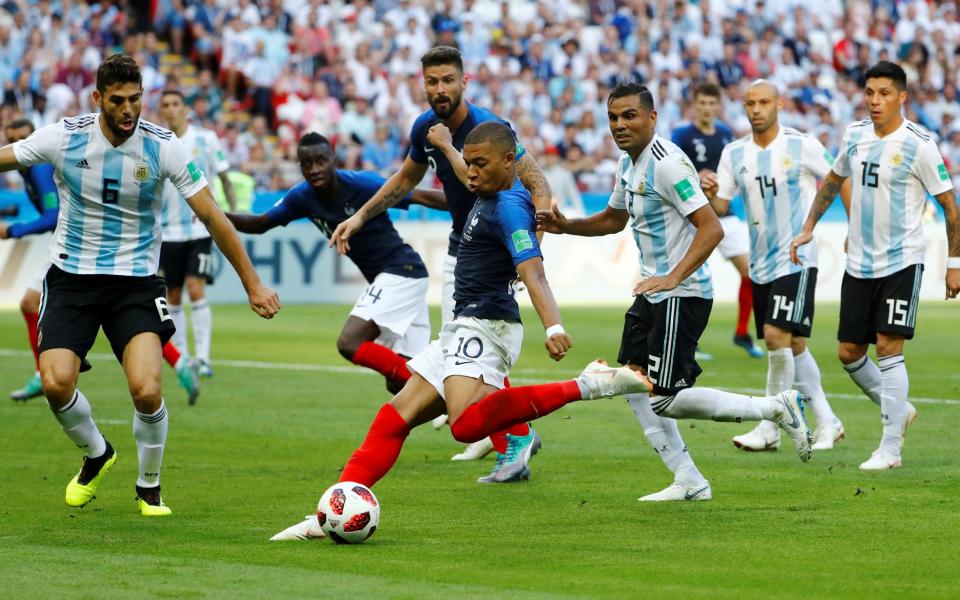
x=79 y=494
x=150 y=504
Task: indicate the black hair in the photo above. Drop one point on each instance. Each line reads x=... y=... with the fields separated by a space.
x=312 y=139
x=23 y=122
x=633 y=88
x=442 y=55
x=117 y=68
x=889 y=70
x=173 y=92
x=499 y=135
x=707 y=88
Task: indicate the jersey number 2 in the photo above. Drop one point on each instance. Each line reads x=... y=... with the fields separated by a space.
x=111 y=190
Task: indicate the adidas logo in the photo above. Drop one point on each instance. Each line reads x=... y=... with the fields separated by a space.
x=682 y=382
x=806 y=322
x=83 y=164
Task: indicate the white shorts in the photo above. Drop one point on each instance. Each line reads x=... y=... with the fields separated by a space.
x=398 y=305
x=477 y=348
x=736 y=237
x=36 y=282
x=446 y=292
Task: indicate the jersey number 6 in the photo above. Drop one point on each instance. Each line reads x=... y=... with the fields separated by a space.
x=111 y=191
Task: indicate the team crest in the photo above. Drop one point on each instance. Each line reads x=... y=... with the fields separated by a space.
x=896 y=160
x=641 y=187
x=141 y=172
x=785 y=162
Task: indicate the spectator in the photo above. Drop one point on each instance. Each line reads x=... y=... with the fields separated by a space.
x=562 y=184
x=381 y=154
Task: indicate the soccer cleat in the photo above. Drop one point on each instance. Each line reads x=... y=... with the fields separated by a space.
x=907 y=422
x=601 y=381
x=677 y=492
x=827 y=435
x=203 y=369
x=83 y=487
x=475 y=451
x=792 y=421
x=746 y=342
x=189 y=379
x=759 y=439
x=32 y=389
x=701 y=356
x=879 y=461
x=440 y=421
x=307 y=529
x=150 y=504
x=515 y=464
x=492 y=477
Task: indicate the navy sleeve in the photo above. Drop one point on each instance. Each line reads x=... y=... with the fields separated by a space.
x=418 y=137
x=289 y=208
x=518 y=227
x=676 y=136
x=41 y=176
x=46 y=222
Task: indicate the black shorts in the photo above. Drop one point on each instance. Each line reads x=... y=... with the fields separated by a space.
x=76 y=306
x=786 y=302
x=178 y=260
x=663 y=338
x=884 y=305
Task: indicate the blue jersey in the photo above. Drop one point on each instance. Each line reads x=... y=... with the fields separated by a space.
x=499 y=235
x=377 y=247
x=42 y=192
x=459 y=198
x=703 y=150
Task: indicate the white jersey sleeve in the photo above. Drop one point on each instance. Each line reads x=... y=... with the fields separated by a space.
x=41 y=147
x=816 y=159
x=930 y=170
x=841 y=166
x=678 y=182
x=178 y=166
x=726 y=182
x=218 y=158
x=618 y=199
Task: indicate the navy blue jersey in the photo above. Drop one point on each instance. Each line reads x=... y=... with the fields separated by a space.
x=702 y=149
x=499 y=235
x=459 y=198
x=377 y=247
x=43 y=195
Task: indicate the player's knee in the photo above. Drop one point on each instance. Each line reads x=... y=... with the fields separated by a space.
x=58 y=385
x=146 y=394
x=394 y=385
x=30 y=303
x=776 y=338
x=848 y=353
x=175 y=296
x=347 y=346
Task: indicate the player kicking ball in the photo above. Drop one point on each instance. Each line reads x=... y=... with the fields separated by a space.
x=893 y=164
x=462 y=373
x=658 y=193
x=390 y=321
x=110 y=167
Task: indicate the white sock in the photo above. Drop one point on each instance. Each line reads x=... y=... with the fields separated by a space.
x=807 y=382
x=180 y=322
x=202 y=320
x=664 y=436
x=867 y=376
x=150 y=431
x=893 y=402
x=710 y=404
x=780 y=375
x=76 y=420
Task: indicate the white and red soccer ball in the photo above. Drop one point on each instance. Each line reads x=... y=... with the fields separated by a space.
x=348 y=512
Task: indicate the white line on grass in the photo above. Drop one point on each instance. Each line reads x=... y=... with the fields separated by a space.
x=279 y=366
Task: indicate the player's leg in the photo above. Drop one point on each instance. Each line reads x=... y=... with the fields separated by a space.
x=807 y=381
x=735 y=247
x=199 y=274
x=446 y=309
x=30 y=309
x=855 y=333
x=173 y=269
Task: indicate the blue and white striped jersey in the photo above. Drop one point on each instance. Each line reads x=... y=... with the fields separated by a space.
x=659 y=191
x=177 y=221
x=110 y=196
x=778 y=184
x=890 y=177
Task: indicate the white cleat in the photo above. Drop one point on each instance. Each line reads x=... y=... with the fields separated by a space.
x=759 y=439
x=907 y=422
x=792 y=421
x=440 y=421
x=307 y=529
x=475 y=451
x=827 y=435
x=677 y=492
x=879 y=461
x=600 y=380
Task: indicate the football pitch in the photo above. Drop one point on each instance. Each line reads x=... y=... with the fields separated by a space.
x=275 y=425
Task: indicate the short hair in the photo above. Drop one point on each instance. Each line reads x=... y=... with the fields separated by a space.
x=312 y=138
x=117 y=68
x=889 y=70
x=22 y=122
x=707 y=88
x=442 y=55
x=173 y=92
x=497 y=134
x=632 y=88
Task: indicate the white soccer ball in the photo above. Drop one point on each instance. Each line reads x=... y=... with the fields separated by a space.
x=348 y=512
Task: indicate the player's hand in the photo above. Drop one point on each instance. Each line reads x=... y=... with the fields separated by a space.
x=656 y=284
x=803 y=239
x=4 y=231
x=344 y=231
x=953 y=283
x=558 y=344
x=551 y=221
x=708 y=182
x=264 y=301
x=439 y=136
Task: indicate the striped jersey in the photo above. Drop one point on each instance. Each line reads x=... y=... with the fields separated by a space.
x=659 y=191
x=110 y=197
x=778 y=184
x=177 y=221
x=890 y=177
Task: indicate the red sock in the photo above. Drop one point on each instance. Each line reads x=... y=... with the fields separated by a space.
x=31 y=319
x=746 y=306
x=170 y=354
x=379 y=450
x=511 y=407
x=383 y=360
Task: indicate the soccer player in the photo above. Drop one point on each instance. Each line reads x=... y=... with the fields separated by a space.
x=463 y=372
x=893 y=164
x=436 y=140
x=390 y=321
x=185 y=257
x=658 y=193
x=109 y=167
x=703 y=141
x=775 y=171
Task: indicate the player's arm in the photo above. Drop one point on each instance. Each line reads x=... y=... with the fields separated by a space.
x=708 y=236
x=440 y=138
x=42 y=177
x=429 y=198
x=532 y=178
x=825 y=197
x=390 y=194
x=228 y=191
x=250 y=223
x=532 y=274
x=8 y=160
x=951 y=214
x=610 y=220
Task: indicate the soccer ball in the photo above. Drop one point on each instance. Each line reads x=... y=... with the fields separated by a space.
x=348 y=513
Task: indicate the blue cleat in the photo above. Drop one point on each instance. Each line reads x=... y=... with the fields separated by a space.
x=746 y=342
x=513 y=465
x=189 y=379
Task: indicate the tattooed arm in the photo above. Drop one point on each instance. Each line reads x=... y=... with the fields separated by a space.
x=825 y=197
x=536 y=183
x=951 y=214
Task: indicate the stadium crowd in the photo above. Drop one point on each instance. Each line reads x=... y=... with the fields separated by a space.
x=262 y=72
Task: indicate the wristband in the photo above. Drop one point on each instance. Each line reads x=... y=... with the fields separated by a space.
x=555 y=329
x=953 y=262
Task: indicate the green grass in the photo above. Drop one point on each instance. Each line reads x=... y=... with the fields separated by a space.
x=262 y=444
